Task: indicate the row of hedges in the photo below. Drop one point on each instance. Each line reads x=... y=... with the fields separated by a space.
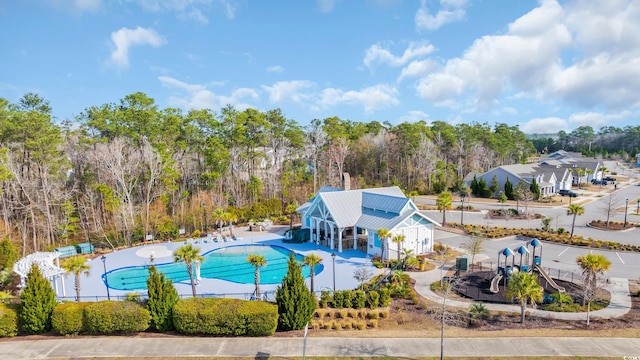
x=218 y=317
x=560 y=236
x=355 y=299
x=104 y=317
x=225 y=317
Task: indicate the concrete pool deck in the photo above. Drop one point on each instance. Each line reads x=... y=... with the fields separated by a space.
x=92 y=287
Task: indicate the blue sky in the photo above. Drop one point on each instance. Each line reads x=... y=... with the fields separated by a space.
x=543 y=65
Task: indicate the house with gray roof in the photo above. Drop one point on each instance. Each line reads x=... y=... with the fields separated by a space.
x=554 y=172
x=351 y=219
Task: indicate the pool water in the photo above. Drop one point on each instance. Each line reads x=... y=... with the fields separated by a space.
x=228 y=264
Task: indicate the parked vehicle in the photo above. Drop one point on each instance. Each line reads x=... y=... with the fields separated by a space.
x=568 y=193
x=609 y=178
x=599 y=182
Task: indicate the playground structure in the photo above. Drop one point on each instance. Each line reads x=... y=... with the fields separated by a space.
x=529 y=264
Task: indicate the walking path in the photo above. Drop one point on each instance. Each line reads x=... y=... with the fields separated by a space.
x=619 y=305
x=264 y=348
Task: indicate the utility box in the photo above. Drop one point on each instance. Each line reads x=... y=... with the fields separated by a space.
x=462 y=263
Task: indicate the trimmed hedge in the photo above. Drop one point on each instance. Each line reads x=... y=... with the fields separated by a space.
x=225 y=317
x=116 y=317
x=8 y=320
x=68 y=318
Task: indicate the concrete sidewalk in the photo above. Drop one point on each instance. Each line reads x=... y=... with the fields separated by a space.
x=263 y=348
x=619 y=305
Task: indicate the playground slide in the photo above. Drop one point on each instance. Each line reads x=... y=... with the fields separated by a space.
x=494 y=283
x=549 y=279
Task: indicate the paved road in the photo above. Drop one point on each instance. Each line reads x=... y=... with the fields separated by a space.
x=263 y=348
x=594 y=203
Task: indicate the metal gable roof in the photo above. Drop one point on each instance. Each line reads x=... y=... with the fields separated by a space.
x=346 y=206
x=386 y=203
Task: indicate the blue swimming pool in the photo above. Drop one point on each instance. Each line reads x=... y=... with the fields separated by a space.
x=228 y=264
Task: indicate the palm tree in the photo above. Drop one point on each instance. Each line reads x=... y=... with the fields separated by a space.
x=189 y=254
x=77 y=265
x=444 y=201
x=258 y=261
x=383 y=234
x=291 y=209
x=217 y=216
x=311 y=261
x=575 y=210
x=398 y=239
x=524 y=287
x=592 y=265
x=479 y=311
x=562 y=298
x=229 y=218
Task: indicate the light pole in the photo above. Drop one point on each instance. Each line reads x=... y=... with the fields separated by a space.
x=106 y=281
x=462 y=213
x=626 y=208
x=333 y=259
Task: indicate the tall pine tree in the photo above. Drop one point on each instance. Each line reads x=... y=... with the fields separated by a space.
x=295 y=302
x=162 y=297
x=508 y=189
x=38 y=300
x=535 y=189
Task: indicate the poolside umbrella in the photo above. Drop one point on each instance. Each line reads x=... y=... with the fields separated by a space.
x=522 y=250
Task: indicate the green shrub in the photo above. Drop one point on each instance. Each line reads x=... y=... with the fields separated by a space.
x=346 y=298
x=295 y=302
x=373 y=299
x=116 y=317
x=385 y=297
x=38 y=300
x=8 y=320
x=325 y=298
x=68 y=318
x=359 y=299
x=225 y=317
x=338 y=299
x=162 y=297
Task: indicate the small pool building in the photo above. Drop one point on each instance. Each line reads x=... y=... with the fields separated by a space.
x=350 y=219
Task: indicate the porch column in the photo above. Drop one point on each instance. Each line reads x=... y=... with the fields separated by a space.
x=355 y=238
x=331 y=238
x=317 y=231
x=340 y=240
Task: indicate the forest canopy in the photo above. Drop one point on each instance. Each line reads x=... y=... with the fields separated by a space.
x=123 y=170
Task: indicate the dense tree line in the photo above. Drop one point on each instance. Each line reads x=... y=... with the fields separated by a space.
x=123 y=170
x=609 y=141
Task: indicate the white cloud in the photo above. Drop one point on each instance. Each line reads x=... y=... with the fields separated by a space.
x=527 y=57
x=326 y=6
x=416 y=68
x=583 y=53
x=289 y=91
x=372 y=98
x=598 y=120
x=124 y=39
x=77 y=6
x=191 y=9
x=378 y=54
x=450 y=11
x=199 y=97
x=550 y=125
x=275 y=69
x=414 y=116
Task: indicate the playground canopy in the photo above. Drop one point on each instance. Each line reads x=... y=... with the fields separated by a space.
x=45 y=261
